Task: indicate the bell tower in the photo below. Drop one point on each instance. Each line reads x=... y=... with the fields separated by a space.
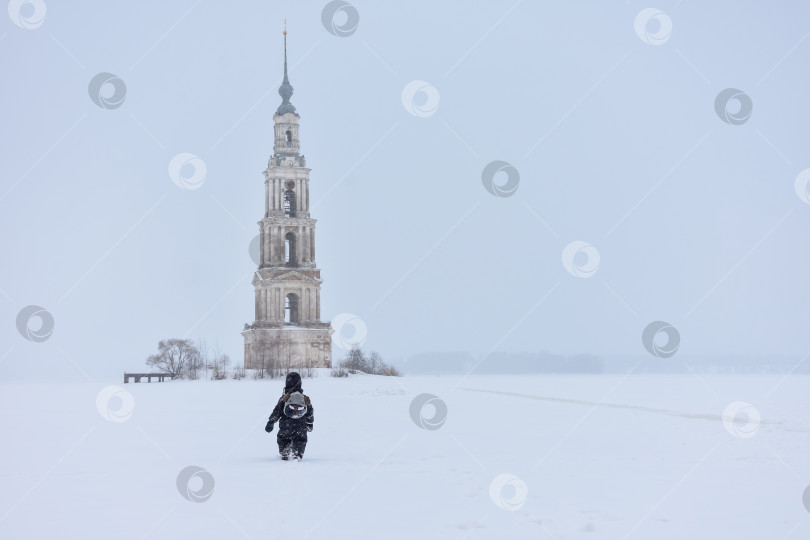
x=287 y=331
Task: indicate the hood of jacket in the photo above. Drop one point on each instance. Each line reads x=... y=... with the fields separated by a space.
x=293 y=383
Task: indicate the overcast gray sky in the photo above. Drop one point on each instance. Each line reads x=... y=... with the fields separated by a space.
x=611 y=126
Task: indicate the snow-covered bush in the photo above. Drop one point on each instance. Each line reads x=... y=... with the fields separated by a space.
x=357 y=361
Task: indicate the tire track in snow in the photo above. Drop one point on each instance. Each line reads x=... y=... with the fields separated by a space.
x=668 y=412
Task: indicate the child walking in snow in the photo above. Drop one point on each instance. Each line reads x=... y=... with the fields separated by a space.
x=295 y=417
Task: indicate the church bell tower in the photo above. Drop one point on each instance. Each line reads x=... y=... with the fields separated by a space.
x=287 y=331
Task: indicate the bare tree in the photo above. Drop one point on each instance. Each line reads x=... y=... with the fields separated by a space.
x=339 y=371
x=221 y=367
x=307 y=371
x=195 y=364
x=238 y=372
x=259 y=354
x=174 y=356
x=389 y=371
x=287 y=354
x=375 y=362
x=202 y=345
x=268 y=357
x=357 y=361
x=221 y=363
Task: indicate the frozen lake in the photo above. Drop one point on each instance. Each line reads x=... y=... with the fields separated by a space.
x=590 y=457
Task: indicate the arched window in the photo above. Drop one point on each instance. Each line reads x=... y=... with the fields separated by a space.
x=288 y=138
x=289 y=203
x=289 y=250
x=291 y=308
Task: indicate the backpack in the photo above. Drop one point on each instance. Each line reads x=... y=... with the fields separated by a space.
x=295 y=405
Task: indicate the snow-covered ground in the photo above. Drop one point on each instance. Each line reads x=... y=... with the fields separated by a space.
x=590 y=457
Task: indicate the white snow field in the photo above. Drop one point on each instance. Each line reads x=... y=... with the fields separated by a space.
x=591 y=457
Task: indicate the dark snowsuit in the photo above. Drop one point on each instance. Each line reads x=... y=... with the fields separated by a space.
x=292 y=432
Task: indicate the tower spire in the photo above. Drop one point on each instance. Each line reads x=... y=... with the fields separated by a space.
x=285 y=51
x=286 y=89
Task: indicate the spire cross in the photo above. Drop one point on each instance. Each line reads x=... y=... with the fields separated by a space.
x=286 y=89
x=285 y=49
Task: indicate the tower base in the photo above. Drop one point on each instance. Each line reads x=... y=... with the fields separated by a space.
x=274 y=346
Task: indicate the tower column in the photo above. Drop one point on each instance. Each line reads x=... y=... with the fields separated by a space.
x=260 y=301
x=268 y=246
x=304 y=246
x=267 y=197
x=261 y=247
x=299 y=253
x=302 y=199
x=279 y=236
